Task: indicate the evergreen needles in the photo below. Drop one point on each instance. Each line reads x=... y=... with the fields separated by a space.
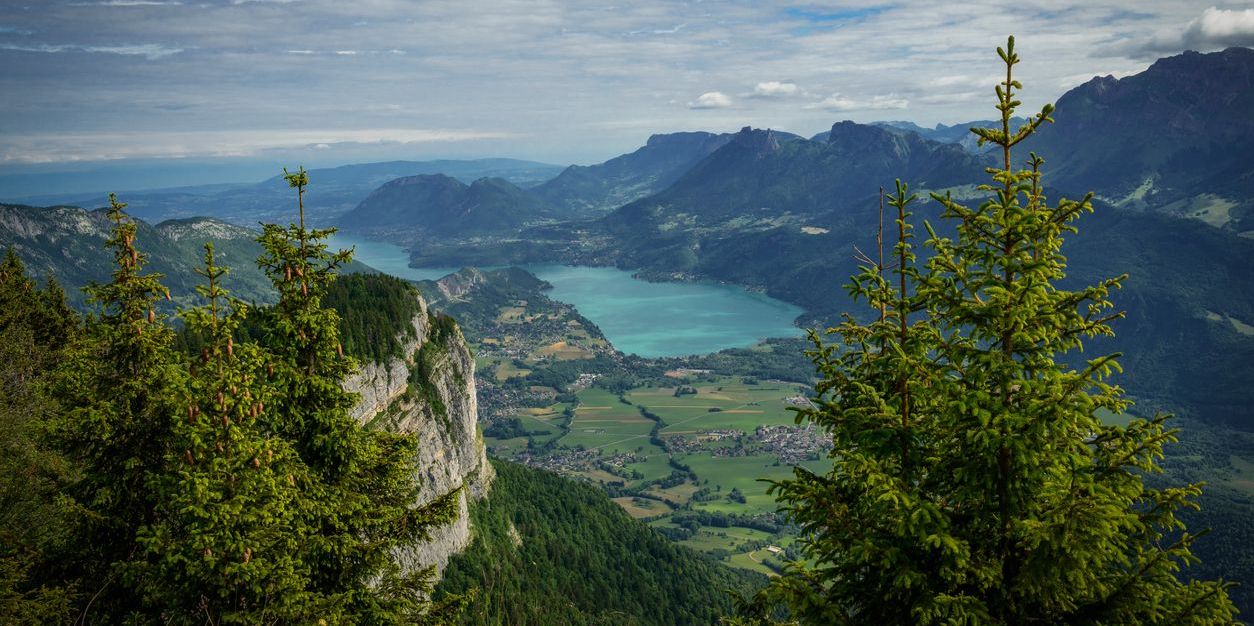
x=227 y=487
x=972 y=480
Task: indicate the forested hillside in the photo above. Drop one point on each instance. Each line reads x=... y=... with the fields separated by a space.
x=552 y=552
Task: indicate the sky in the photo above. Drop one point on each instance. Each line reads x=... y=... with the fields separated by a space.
x=339 y=81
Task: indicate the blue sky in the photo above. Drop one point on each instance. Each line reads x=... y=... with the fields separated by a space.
x=332 y=81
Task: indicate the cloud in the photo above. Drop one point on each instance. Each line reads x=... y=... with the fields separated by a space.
x=128 y=3
x=1220 y=28
x=565 y=70
x=103 y=146
x=711 y=100
x=151 y=51
x=1214 y=29
x=839 y=103
x=773 y=89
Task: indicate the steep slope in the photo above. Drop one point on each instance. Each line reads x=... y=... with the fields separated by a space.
x=441 y=206
x=762 y=178
x=1174 y=138
x=430 y=391
x=593 y=190
x=762 y=195
x=68 y=244
x=552 y=552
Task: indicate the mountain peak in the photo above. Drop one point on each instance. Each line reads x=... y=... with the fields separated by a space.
x=761 y=142
x=852 y=134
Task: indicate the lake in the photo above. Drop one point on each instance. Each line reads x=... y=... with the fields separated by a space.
x=638 y=317
x=387 y=258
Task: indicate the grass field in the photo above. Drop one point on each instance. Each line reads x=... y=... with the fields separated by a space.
x=603 y=422
x=642 y=507
x=740 y=406
x=744 y=473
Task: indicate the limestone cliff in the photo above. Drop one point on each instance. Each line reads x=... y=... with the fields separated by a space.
x=431 y=393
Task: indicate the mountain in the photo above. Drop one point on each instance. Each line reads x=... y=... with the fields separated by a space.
x=439 y=205
x=68 y=244
x=1173 y=139
x=764 y=187
x=593 y=190
x=427 y=388
x=331 y=192
x=762 y=177
x=956 y=133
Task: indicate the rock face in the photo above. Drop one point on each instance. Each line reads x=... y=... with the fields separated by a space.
x=431 y=393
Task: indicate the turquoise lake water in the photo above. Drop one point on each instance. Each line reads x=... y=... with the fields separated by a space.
x=638 y=317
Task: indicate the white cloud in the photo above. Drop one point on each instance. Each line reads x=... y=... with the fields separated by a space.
x=128 y=3
x=102 y=146
x=148 y=50
x=564 y=70
x=839 y=103
x=961 y=80
x=348 y=53
x=1221 y=28
x=1214 y=29
x=774 y=88
x=711 y=100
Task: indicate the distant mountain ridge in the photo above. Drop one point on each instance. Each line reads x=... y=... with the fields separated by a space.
x=763 y=178
x=68 y=243
x=956 y=133
x=333 y=190
x=426 y=205
x=439 y=205
x=593 y=190
x=1175 y=138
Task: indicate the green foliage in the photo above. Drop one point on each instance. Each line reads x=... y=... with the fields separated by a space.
x=232 y=487
x=551 y=552
x=35 y=326
x=376 y=314
x=361 y=481
x=973 y=480
x=225 y=546
x=65 y=243
x=119 y=392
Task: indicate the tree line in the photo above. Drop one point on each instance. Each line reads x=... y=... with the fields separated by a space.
x=146 y=484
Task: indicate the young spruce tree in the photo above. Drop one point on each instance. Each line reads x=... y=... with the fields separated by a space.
x=225 y=544
x=362 y=482
x=118 y=389
x=973 y=479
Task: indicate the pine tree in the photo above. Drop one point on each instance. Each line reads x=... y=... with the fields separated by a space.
x=232 y=518
x=35 y=326
x=973 y=480
x=118 y=389
x=362 y=482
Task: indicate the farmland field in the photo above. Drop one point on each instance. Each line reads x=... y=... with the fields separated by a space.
x=674 y=451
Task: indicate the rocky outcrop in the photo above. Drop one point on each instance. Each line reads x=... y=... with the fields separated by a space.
x=431 y=393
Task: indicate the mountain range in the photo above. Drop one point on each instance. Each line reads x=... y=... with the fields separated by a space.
x=1164 y=151
x=337 y=190
x=781 y=213
x=68 y=243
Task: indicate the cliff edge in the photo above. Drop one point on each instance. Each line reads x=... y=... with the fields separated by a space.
x=431 y=393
